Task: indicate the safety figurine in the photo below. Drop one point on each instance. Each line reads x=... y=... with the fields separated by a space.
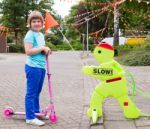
x=113 y=84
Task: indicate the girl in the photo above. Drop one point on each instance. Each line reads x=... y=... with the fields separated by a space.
x=36 y=50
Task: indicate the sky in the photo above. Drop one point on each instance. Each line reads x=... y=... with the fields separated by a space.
x=62 y=7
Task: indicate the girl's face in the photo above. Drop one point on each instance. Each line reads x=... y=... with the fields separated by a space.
x=36 y=25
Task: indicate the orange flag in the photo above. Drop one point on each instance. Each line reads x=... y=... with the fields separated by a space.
x=50 y=22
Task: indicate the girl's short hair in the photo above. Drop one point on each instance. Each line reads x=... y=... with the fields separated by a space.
x=34 y=15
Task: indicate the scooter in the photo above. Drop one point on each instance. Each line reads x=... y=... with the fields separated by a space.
x=49 y=110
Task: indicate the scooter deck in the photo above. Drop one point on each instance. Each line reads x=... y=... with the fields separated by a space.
x=23 y=113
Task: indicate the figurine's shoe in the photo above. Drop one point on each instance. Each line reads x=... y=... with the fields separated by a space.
x=90 y=112
x=94 y=116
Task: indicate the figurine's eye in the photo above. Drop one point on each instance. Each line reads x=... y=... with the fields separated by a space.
x=99 y=51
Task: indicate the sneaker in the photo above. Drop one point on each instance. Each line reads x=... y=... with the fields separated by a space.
x=43 y=117
x=35 y=122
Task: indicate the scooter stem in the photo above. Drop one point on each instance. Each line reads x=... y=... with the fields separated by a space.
x=49 y=79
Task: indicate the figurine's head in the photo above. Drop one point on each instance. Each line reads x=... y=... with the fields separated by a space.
x=103 y=52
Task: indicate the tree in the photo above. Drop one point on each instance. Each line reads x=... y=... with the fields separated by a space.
x=15 y=13
x=131 y=13
x=135 y=15
x=95 y=24
x=116 y=26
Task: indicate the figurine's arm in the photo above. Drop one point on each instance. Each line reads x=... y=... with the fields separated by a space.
x=118 y=68
x=89 y=69
x=92 y=71
x=97 y=71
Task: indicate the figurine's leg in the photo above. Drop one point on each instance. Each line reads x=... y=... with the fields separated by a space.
x=96 y=104
x=130 y=110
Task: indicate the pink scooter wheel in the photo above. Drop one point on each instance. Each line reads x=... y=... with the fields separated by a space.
x=53 y=119
x=8 y=112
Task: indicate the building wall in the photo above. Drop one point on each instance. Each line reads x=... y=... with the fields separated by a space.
x=3 y=43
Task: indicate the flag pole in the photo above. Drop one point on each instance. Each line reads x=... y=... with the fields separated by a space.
x=67 y=41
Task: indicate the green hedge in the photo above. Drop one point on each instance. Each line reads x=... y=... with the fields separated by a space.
x=16 y=49
x=65 y=46
x=62 y=46
x=138 y=55
x=136 y=58
x=50 y=45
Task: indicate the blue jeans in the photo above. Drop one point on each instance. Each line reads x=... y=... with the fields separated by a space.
x=35 y=78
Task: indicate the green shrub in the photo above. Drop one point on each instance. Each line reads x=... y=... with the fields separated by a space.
x=91 y=47
x=124 y=49
x=147 y=40
x=51 y=46
x=147 y=46
x=63 y=46
x=10 y=38
x=16 y=48
x=76 y=44
x=137 y=55
x=54 y=39
x=136 y=58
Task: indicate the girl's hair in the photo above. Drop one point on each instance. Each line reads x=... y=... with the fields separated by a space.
x=34 y=15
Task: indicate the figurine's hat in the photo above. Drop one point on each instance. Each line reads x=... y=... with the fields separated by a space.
x=105 y=45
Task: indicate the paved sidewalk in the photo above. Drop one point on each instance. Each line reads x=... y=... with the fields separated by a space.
x=72 y=92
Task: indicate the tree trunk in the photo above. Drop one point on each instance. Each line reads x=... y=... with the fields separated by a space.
x=116 y=26
x=16 y=37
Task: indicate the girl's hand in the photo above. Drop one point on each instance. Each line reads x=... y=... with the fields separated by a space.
x=47 y=51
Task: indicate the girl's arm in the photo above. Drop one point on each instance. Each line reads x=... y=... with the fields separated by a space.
x=32 y=51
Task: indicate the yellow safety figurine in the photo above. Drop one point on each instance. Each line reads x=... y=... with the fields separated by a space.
x=113 y=84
